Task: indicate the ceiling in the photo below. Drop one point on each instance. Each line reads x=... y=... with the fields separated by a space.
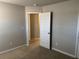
x=32 y=2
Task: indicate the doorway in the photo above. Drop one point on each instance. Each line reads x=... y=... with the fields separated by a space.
x=39 y=29
x=34 y=31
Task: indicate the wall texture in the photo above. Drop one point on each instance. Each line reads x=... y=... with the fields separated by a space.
x=33 y=9
x=64 y=25
x=78 y=28
x=12 y=26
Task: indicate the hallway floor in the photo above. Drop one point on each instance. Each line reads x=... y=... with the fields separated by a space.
x=33 y=53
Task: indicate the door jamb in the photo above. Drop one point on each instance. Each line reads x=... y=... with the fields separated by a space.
x=51 y=30
x=28 y=28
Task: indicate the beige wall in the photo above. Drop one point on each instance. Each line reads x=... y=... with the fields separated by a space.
x=34 y=25
x=65 y=17
x=12 y=26
x=78 y=28
x=33 y=9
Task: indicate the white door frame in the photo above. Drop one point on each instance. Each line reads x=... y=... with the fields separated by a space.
x=28 y=26
x=77 y=40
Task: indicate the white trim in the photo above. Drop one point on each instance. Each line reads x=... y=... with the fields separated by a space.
x=27 y=44
x=32 y=12
x=76 y=45
x=68 y=54
x=11 y=49
x=77 y=39
x=27 y=28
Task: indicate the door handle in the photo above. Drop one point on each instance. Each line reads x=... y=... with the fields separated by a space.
x=48 y=32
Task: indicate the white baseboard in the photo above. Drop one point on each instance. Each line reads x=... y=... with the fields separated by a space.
x=27 y=45
x=64 y=52
x=12 y=49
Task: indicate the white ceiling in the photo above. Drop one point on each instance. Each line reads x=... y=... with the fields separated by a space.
x=32 y=2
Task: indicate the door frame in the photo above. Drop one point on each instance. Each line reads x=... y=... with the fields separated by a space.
x=28 y=26
x=51 y=30
x=77 y=40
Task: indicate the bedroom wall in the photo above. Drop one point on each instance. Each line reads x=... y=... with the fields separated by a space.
x=12 y=26
x=65 y=17
x=33 y=9
x=78 y=29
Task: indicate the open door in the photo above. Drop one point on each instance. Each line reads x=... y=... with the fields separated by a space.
x=46 y=30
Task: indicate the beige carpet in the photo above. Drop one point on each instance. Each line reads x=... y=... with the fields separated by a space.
x=33 y=53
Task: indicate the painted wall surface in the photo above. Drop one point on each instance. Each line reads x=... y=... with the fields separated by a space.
x=34 y=25
x=33 y=9
x=78 y=29
x=12 y=26
x=65 y=18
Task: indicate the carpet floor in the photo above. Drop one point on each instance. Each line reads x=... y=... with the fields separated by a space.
x=33 y=53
